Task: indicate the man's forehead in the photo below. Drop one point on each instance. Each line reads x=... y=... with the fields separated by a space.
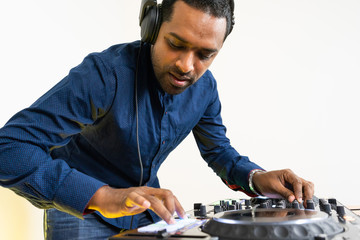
x=183 y=11
x=189 y=23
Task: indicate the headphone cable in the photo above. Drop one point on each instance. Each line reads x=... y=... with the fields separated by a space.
x=137 y=115
x=137 y=122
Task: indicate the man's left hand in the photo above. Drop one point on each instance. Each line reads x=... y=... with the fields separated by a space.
x=283 y=184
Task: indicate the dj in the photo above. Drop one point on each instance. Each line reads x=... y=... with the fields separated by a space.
x=90 y=148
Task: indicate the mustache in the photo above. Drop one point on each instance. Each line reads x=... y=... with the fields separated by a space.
x=182 y=75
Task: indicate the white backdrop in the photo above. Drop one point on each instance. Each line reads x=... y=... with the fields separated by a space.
x=288 y=80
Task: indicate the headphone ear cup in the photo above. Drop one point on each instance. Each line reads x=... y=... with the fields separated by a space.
x=150 y=25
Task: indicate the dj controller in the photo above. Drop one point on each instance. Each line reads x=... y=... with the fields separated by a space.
x=257 y=218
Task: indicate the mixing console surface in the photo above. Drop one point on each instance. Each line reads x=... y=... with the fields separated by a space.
x=258 y=218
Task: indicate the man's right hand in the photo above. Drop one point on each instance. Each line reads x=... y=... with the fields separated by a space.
x=119 y=202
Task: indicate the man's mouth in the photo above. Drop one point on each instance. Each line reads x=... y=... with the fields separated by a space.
x=179 y=81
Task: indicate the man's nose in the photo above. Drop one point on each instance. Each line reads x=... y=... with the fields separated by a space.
x=185 y=63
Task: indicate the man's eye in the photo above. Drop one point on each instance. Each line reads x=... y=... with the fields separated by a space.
x=204 y=56
x=173 y=45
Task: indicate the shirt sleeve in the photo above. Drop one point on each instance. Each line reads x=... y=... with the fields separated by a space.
x=27 y=139
x=215 y=148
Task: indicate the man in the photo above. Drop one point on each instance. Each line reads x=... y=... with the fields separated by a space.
x=95 y=141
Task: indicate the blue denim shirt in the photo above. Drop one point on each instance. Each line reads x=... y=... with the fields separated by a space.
x=81 y=134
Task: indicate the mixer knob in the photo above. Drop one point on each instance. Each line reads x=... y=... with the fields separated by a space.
x=281 y=204
x=199 y=209
x=223 y=205
x=310 y=204
x=322 y=202
x=263 y=205
x=247 y=204
x=327 y=208
x=321 y=237
x=333 y=203
x=197 y=206
x=227 y=203
x=269 y=203
x=238 y=205
x=295 y=204
x=202 y=212
x=231 y=207
x=217 y=209
x=340 y=210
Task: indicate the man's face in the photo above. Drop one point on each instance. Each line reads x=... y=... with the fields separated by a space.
x=186 y=47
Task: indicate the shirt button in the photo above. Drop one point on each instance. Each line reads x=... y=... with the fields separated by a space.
x=163 y=142
x=166 y=113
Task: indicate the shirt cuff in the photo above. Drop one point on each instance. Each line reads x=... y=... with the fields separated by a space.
x=75 y=192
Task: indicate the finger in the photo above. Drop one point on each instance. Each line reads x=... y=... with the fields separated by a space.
x=172 y=203
x=168 y=199
x=135 y=204
x=286 y=193
x=138 y=200
x=298 y=187
x=159 y=208
x=308 y=189
x=179 y=209
x=296 y=184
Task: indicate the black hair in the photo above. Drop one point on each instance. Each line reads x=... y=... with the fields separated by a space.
x=216 y=8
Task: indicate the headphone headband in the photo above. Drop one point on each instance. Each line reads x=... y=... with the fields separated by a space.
x=145 y=6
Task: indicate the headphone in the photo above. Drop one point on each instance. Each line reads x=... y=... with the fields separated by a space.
x=149 y=20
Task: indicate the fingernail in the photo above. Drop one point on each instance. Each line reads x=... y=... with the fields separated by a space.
x=146 y=204
x=172 y=220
